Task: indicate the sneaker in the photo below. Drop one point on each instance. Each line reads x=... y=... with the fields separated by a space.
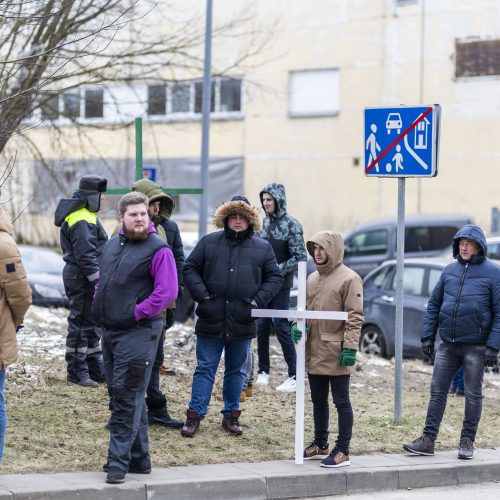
x=460 y=392
x=336 y=459
x=289 y=385
x=314 y=452
x=115 y=476
x=466 y=449
x=423 y=445
x=262 y=379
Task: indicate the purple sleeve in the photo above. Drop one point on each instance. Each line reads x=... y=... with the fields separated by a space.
x=162 y=269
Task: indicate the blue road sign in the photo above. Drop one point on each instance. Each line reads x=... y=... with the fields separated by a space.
x=402 y=141
x=149 y=173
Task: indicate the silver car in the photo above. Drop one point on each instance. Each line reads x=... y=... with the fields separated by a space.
x=379 y=289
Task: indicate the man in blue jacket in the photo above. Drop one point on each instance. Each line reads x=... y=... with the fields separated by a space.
x=465 y=308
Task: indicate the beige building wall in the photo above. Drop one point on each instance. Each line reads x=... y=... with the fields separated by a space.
x=386 y=56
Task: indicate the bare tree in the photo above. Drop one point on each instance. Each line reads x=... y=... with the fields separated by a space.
x=48 y=47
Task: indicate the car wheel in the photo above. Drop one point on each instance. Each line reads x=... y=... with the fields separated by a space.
x=372 y=341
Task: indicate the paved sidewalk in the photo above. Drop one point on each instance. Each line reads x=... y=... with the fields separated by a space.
x=264 y=480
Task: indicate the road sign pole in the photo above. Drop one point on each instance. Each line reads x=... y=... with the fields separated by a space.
x=398 y=349
x=205 y=129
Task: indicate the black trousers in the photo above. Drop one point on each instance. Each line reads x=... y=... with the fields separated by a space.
x=128 y=360
x=83 y=349
x=320 y=387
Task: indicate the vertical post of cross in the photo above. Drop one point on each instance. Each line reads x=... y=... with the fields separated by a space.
x=300 y=366
x=138 y=149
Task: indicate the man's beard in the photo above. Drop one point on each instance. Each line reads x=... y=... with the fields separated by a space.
x=135 y=234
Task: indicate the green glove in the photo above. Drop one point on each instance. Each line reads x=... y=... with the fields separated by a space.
x=296 y=334
x=347 y=357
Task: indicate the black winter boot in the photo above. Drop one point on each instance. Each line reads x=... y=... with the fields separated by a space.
x=96 y=368
x=158 y=414
x=78 y=371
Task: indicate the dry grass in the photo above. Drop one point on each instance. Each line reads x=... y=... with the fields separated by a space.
x=58 y=427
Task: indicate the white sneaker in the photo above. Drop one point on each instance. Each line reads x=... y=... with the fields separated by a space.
x=289 y=385
x=262 y=379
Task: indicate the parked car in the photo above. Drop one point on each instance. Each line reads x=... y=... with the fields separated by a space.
x=184 y=307
x=370 y=244
x=44 y=269
x=379 y=288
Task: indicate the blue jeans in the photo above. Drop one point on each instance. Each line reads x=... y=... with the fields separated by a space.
x=458 y=379
x=282 y=328
x=449 y=358
x=208 y=354
x=3 y=412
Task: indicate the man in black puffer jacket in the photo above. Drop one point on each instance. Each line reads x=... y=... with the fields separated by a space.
x=228 y=273
x=465 y=308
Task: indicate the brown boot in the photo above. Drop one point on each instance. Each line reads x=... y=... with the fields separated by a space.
x=190 y=428
x=231 y=423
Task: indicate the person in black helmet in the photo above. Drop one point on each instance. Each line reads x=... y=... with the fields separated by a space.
x=82 y=241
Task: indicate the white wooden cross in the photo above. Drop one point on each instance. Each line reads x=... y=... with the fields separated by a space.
x=300 y=315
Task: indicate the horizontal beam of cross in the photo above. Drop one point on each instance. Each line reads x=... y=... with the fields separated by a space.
x=292 y=314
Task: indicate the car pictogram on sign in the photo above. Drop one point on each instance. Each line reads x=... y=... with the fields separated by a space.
x=394 y=122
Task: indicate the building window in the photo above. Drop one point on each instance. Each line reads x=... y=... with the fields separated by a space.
x=157 y=99
x=477 y=58
x=314 y=93
x=71 y=104
x=49 y=106
x=94 y=103
x=185 y=98
x=180 y=97
x=230 y=95
x=403 y=3
x=198 y=96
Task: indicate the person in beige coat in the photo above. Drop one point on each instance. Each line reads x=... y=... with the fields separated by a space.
x=15 y=298
x=331 y=345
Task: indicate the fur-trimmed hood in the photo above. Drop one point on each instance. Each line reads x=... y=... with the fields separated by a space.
x=238 y=207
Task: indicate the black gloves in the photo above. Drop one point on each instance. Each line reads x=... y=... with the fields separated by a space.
x=428 y=348
x=490 y=357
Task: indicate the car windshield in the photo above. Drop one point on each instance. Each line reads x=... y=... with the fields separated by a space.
x=41 y=260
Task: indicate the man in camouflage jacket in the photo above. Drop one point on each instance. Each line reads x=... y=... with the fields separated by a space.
x=284 y=233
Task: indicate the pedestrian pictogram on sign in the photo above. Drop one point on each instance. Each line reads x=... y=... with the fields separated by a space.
x=402 y=141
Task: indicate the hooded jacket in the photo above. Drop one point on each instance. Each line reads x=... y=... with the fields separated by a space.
x=332 y=287
x=465 y=303
x=227 y=270
x=284 y=233
x=82 y=236
x=165 y=227
x=15 y=293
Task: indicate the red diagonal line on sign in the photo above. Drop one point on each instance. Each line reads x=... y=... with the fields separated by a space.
x=393 y=143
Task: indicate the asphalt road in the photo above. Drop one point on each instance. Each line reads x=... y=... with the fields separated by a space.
x=484 y=491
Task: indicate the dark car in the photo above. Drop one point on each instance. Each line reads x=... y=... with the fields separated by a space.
x=44 y=270
x=379 y=288
x=370 y=244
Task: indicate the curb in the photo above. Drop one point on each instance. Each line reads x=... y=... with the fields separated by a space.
x=264 y=480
